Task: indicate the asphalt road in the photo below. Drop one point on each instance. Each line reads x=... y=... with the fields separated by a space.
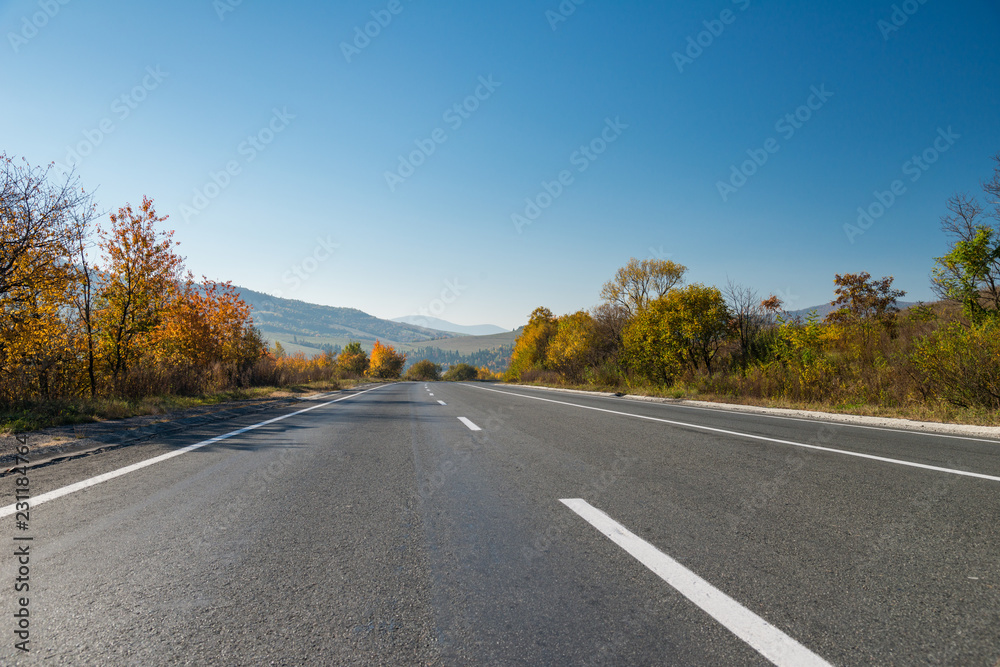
x=383 y=529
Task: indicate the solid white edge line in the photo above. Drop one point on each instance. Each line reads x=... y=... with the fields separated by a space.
x=472 y=427
x=442 y=402
x=903 y=431
x=763 y=637
x=911 y=464
x=93 y=481
x=637 y=400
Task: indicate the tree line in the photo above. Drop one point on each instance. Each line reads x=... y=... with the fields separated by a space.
x=653 y=330
x=99 y=305
x=106 y=309
x=496 y=359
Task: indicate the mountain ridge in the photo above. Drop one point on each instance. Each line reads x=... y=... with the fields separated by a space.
x=279 y=318
x=444 y=325
x=825 y=309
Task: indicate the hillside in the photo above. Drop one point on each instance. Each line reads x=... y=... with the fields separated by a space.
x=301 y=326
x=444 y=325
x=470 y=344
x=825 y=309
x=493 y=351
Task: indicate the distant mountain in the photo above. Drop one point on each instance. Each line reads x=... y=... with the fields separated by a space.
x=286 y=320
x=825 y=309
x=493 y=351
x=444 y=325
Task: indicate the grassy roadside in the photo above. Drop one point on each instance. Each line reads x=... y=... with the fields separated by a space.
x=86 y=411
x=942 y=412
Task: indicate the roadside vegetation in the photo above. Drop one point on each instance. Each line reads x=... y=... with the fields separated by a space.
x=101 y=320
x=656 y=335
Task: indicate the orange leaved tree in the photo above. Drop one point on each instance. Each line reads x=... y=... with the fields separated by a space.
x=142 y=273
x=206 y=328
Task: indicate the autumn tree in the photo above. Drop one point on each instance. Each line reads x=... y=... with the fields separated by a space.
x=207 y=324
x=484 y=374
x=532 y=344
x=970 y=272
x=40 y=220
x=142 y=273
x=352 y=362
x=385 y=362
x=88 y=279
x=860 y=298
x=610 y=321
x=685 y=328
x=425 y=370
x=39 y=224
x=461 y=373
x=639 y=282
x=752 y=320
x=573 y=346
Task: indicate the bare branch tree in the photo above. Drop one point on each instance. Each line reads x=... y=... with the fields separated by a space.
x=750 y=319
x=639 y=282
x=970 y=272
x=37 y=224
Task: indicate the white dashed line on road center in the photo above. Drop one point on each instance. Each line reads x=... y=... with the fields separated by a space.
x=472 y=427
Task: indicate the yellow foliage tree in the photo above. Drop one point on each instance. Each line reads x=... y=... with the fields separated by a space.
x=385 y=362
x=142 y=274
x=352 y=361
x=684 y=328
x=531 y=346
x=572 y=348
x=639 y=282
x=40 y=221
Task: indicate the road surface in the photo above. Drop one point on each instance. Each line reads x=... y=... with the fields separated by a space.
x=460 y=524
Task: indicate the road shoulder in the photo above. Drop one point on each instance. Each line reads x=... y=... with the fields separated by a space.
x=963 y=430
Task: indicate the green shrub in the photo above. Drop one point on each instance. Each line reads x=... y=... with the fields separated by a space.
x=461 y=373
x=424 y=370
x=962 y=364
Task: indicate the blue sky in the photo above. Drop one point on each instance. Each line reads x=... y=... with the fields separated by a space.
x=162 y=99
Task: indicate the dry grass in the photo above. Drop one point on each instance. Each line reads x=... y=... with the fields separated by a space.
x=84 y=411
